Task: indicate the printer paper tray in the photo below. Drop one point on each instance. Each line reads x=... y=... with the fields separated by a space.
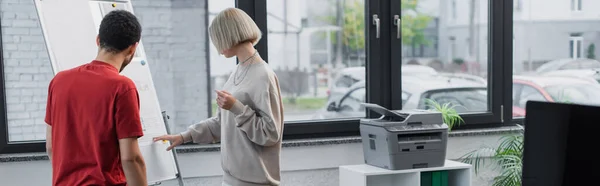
x=420 y=141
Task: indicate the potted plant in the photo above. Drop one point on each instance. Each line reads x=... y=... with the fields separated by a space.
x=507 y=157
x=449 y=114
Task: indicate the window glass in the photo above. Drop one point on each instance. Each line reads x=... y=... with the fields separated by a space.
x=174 y=45
x=405 y=96
x=464 y=101
x=529 y=93
x=352 y=102
x=220 y=67
x=516 y=92
x=27 y=72
x=575 y=93
x=450 y=38
x=556 y=58
x=317 y=50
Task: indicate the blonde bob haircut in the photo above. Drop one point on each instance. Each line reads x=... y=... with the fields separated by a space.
x=231 y=27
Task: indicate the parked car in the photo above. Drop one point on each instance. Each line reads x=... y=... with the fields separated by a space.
x=468 y=95
x=566 y=64
x=349 y=76
x=465 y=76
x=589 y=74
x=345 y=79
x=553 y=89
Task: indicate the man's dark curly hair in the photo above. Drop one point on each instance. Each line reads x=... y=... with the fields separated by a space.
x=119 y=29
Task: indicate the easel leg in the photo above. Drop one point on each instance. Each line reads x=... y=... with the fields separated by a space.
x=179 y=177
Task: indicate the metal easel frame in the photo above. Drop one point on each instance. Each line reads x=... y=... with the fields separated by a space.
x=174 y=151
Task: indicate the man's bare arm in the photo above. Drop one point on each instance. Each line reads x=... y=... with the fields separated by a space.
x=133 y=162
x=49 y=141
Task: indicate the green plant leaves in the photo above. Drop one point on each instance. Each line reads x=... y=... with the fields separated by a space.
x=507 y=157
x=449 y=114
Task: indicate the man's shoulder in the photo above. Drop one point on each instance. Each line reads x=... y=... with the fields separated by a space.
x=124 y=83
x=121 y=82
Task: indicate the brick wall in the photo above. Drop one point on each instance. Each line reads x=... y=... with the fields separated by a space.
x=27 y=70
x=189 y=52
x=174 y=40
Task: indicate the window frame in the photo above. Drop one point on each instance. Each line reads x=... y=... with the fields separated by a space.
x=500 y=31
x=576 y=5
x=382 y=79
x=576 y=46
x=257 y=9
x=7 y=147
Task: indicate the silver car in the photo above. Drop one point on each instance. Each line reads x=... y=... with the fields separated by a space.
x=469 y=95
x=347 y=77
x=566 y=64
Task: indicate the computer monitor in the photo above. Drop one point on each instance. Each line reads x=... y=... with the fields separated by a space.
x=560 y=143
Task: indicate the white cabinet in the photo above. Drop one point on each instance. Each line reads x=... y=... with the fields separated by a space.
x=459 y=174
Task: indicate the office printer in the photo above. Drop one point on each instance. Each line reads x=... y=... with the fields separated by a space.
x=404 y=139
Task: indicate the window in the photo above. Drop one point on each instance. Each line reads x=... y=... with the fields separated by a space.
x=518 y=6
x=26 y=75
x=418 y=49
x=348 y=106
x=554 y=60
x=581 y=64
x=326 y=54
x=575 y=46
x=461 y=73
x=576 y=5
x=529 y=93
x=405 y=97
x=312 y=36
x=516 y=93
x=353 y=102
x=465 y=100
x=220 y=67
x=575 y=93
x=175 y=47
x=454 y=9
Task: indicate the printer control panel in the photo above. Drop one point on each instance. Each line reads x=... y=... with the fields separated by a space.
x=413 y=127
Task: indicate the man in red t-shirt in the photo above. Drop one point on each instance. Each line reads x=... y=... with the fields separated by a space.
x=93 y=113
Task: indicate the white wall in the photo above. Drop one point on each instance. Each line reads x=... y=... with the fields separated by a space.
x=554 y=10
x=533 y=10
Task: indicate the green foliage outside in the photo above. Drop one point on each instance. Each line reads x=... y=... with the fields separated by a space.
x=353 y=29
x=591 y=52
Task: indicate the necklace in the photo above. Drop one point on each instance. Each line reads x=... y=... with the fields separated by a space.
x=236 y=77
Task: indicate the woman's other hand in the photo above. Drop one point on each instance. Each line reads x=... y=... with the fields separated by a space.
x=225 y=100
x=174 y=139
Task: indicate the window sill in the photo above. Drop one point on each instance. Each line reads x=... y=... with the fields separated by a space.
x=19 y=157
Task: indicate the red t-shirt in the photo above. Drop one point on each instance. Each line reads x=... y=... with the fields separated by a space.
x=90 y=108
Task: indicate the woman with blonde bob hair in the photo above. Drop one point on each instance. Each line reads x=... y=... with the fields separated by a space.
x=249 y=120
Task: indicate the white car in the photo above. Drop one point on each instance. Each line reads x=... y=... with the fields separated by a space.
x=568 y=64
x=587 y=74
x=349 y=76
x=469 y=96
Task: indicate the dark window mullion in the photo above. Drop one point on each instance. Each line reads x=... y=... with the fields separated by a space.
x=377 y=63
x=257 y=10
x=3 y=122
x=395 y=54
x=502 y=61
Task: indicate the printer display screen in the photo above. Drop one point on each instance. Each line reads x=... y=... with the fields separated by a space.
x=467 y=100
